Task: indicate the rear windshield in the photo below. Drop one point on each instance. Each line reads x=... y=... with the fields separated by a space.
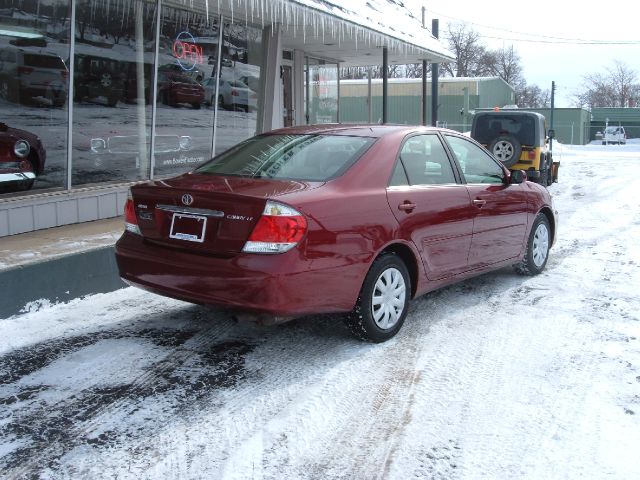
x=314 y=158
x=488 y=127
x=44 y=61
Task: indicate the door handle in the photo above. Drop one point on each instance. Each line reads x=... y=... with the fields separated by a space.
x=407 y=206
x=479 y=203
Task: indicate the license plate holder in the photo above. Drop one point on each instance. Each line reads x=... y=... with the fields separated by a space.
x=188 y=227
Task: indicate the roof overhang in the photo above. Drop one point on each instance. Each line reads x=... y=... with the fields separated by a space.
x=353 y=35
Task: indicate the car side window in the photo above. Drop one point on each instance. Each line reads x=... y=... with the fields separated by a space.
x=399 y=177
x=477 y=165
x=425 y=161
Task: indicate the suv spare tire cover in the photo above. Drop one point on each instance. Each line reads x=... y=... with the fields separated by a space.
x=507 y=149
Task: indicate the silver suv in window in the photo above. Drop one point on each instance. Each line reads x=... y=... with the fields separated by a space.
x=32 y=76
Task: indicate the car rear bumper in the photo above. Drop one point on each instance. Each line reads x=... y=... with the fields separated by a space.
x=17 y=177
x=281 y=286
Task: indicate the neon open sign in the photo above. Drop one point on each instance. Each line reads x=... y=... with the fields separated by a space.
x=187 y=53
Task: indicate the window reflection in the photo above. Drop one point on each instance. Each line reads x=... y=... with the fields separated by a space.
x=113 y=66
x=322 y=92
x=34 y=43
x=239 y=85
x=184 y=124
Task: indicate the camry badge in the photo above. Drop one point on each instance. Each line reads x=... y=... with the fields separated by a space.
x=187 y=199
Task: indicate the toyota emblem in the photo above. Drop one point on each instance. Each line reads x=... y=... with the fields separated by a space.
x=187 y=199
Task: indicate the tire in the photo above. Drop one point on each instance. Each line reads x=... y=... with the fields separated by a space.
x=506 y=149
x=221 y=102
x=112 y=100
x=537 y=253
x=196 y=106
x=374 y=317
x=106 y=80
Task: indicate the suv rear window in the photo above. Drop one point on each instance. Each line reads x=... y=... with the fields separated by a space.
x=488 y=127
x=314 y=158
x=44 y=61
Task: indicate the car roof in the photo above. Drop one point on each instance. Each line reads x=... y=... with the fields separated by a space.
x=507 y=112
x=365 y=130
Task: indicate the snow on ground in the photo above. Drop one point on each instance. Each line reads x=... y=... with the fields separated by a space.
x=498 y=377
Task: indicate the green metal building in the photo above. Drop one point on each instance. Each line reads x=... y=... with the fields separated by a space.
x=629 y=118
x=572 y=125
x=456 y=97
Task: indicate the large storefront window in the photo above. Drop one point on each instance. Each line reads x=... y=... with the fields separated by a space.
x=321 y=100
x=113 y=63
x=34 y=50
x=124 y=127
x=239 y=85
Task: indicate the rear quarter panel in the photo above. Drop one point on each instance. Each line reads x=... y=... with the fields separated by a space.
x=350 y=221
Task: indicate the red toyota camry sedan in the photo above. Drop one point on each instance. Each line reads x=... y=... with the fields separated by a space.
x=334 y=218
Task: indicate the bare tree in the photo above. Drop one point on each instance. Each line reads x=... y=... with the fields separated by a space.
x=506 y=64
x=470 y=54
x=532 y=96
x=619 y=87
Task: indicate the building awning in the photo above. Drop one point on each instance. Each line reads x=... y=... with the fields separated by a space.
x=352 y=33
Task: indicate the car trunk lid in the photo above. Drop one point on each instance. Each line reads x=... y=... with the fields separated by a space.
x=206 y=213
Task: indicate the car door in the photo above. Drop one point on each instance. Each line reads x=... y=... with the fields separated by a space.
x=431 y=205
x=500 y=219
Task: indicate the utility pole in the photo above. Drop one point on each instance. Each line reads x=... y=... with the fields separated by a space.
x=552 y=132
x=434 y=79
x=424 y=74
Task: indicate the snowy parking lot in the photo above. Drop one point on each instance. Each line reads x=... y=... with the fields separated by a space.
x=497 y=377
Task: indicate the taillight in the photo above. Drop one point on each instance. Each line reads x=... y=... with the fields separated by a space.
x=234 y=93
x=278 y=230
x=64 y=74
x=531 y=154
x=25 y=70
x=130 y=219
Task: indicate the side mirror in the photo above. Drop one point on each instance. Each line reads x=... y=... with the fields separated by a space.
x=552 y=134
x=517 y=176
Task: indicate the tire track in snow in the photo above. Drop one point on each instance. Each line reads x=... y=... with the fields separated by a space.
x=79 y=419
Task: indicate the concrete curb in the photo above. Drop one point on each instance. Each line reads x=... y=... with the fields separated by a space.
x=59 y=280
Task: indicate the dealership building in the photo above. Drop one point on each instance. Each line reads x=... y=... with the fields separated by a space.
x=96 y=95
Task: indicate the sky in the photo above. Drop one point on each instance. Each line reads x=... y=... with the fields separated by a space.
x=553 y=38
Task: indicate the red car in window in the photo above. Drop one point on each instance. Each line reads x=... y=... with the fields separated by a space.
x=22 y=158
x=334 y=218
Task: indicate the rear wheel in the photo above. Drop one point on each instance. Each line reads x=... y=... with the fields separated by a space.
x=383 y=301
x=537 y=254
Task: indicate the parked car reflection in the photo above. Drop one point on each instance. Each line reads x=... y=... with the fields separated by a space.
x=22 y=158
x=32 y=75
x=232 y=94
x=175 y=89
x=98 y=79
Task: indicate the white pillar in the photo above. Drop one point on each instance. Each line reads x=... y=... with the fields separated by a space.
x=270 y=107
x=299 y=117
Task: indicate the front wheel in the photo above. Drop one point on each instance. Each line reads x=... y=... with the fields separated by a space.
x=538 y=244
x=383 y=301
